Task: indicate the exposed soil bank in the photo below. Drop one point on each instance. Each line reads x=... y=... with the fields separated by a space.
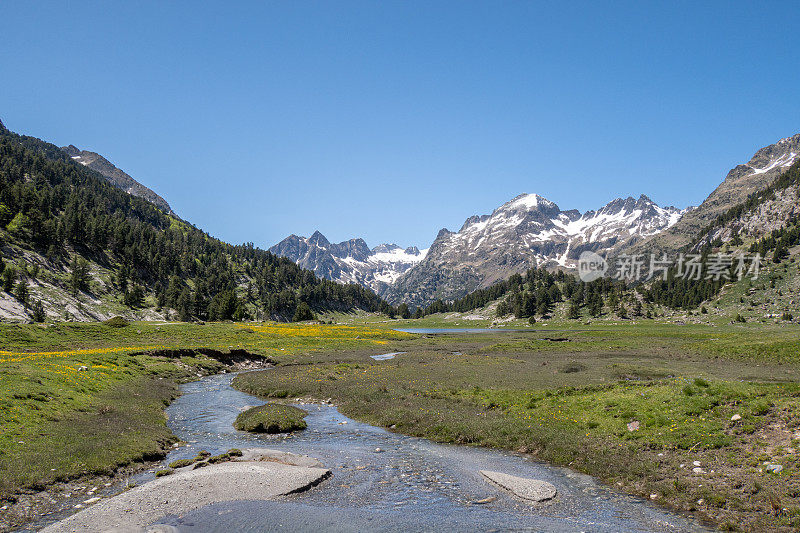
x=235 y=358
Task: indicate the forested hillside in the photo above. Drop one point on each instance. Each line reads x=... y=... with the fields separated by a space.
x=75 y=246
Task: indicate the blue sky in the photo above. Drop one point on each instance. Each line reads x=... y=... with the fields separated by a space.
x=390 y=120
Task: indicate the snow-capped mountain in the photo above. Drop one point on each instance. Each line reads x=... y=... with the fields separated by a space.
x=350 y=261
x=530 y=222
x=530 y=230
x=115 y=176
x=527 y=231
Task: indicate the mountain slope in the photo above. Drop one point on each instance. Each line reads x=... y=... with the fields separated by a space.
x=525 y=232
x=350 y=261
x=765 y=213
x=74 y=246
x=743 y=180
x=115 y=176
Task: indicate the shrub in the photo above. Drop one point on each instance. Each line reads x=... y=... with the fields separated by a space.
x=164 y=472
x=573 y=367
x=760 y=407
x=180 y=463
x=303 y=312
x=271 y=418
x=37 y=312
x=116 y=322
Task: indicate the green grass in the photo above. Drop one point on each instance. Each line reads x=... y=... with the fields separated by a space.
x=570 y=402
x=80 y=399
x=61 y=438
x=271 y=418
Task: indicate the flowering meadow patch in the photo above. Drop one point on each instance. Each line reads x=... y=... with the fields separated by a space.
x=327 y=331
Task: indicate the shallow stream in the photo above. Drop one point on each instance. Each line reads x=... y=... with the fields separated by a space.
x=411 y=484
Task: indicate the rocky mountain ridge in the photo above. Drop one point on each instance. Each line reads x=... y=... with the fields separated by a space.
x=530 y=230
x=741 y=181
x=115 y=176
x=527 y=231
x=350 y=261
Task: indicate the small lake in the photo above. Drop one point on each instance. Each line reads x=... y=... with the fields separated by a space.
x=411 y=484
x=433 y=331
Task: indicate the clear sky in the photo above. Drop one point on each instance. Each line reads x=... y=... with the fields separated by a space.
x=390 y=120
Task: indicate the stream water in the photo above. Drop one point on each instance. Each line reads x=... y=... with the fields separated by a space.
x=412 y=484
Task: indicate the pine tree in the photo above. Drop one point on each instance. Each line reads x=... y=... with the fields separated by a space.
x=79 y=277
x=134 y=298
x=184 y=305
x=38 y=314
x=303 y=312
x=574 y=311
x=403 y=311
x=596 y=305
x=9 y=277
x=21 y=292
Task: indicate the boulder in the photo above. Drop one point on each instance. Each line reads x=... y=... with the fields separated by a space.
x=525 y=488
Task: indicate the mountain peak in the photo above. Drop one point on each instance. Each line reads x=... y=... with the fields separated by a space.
x=350 y=261
x=786 y=140
x=72 y=150
x=318 y=239
x=385 y=247
x=775 y=157
x=525 y=231
x=530 y=201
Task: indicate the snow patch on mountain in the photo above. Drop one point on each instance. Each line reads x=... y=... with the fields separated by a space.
x=350 y=261
x=785 y=160
x=526 y=231
x=530 y=220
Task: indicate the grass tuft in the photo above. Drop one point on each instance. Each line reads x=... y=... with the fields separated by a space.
x=271 y=418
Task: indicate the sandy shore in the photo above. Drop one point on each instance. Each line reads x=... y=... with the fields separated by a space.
x=258 y=475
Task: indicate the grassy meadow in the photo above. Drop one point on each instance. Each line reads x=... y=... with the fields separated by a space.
x=80 y=399
x=635 y=405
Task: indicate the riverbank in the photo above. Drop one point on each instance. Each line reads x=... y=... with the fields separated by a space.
x=82 y=405
x=702 y=428
x=79 y=449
